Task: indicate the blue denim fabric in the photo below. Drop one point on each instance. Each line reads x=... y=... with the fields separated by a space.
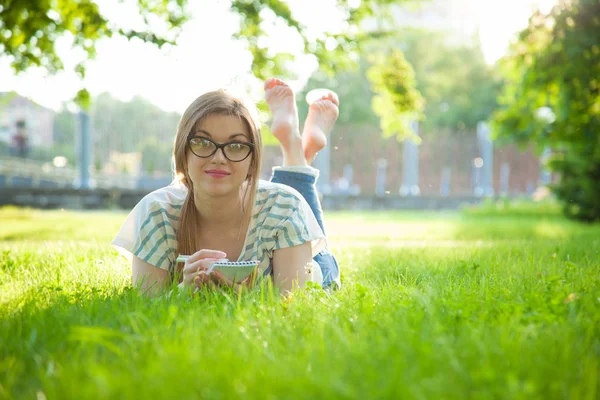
x=305 y=185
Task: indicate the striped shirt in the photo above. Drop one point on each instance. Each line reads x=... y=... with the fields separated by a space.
x=281 y=218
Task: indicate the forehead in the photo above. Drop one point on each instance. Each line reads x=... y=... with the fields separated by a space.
x=223 y=126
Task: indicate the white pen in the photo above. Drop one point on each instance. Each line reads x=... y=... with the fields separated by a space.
x=181 y=258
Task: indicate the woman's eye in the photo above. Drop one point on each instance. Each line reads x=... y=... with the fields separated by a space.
x=203 y=143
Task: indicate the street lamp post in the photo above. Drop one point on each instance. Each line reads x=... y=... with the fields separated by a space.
x=84 y=151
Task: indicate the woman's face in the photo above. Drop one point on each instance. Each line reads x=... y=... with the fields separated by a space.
x=217 y=176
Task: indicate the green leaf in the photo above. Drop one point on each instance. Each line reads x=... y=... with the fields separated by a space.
x=555 y=64
x=82 y=99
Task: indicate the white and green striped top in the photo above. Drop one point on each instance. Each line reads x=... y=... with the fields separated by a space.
x=281 y=218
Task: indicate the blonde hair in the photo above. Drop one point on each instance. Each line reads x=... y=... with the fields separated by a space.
x=219 y=102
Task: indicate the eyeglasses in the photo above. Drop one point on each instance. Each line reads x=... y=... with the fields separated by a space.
x=233 y=151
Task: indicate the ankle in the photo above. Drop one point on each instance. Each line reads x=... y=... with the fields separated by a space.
x=294 y=158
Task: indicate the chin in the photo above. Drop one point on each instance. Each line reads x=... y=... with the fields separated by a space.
x=220 y=189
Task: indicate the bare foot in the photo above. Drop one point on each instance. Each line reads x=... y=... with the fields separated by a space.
x=282 y=103
x=321 y=118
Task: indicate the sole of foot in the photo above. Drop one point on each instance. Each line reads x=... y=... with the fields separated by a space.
x=282 y=103
x=322 y=115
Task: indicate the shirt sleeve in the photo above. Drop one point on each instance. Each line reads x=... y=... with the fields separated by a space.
x=298 y=225
x=148 y=234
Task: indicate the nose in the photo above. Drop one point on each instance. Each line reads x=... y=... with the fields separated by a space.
x=219 y=156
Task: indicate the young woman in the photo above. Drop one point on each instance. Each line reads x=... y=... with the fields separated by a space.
x=218 y=208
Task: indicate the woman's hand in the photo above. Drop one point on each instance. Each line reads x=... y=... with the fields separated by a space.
x=196 y=267
x=194 y=270
x=221 y=280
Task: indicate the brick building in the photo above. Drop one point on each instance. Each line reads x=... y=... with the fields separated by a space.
x=39 y=121
x=362 y=147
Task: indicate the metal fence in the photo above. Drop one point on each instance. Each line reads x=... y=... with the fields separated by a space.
x=21 y=172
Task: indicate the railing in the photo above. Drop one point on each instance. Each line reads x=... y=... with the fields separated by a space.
x=35 y=183
x=23 y=172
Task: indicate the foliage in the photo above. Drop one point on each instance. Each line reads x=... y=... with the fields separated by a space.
x=124 y=127
x=396 y=100
x=29 y=30
x=552 y=99
x=156 y=157
x=65 y=127
x=268 y=139
x=458 y=88
x=501 y=308
x=334 y=51
x=134 y=126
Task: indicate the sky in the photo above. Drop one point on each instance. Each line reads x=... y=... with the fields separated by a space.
x=207 y=58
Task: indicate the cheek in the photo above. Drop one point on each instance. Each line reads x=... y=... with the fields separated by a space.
x=246 y=167
x=193 y=167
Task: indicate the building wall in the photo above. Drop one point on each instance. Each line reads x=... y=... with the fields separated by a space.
x=39 y=120
x=362 y=147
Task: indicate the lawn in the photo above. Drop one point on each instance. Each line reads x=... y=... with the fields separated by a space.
x=486 y=304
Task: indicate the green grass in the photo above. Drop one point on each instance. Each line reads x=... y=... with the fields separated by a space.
x=480 y=304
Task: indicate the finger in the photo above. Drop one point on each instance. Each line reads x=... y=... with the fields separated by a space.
x=206 y=253
x=201 y=278
x=218 y=277
x=192 y=267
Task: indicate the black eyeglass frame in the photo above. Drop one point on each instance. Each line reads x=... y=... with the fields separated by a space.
x=220 y=146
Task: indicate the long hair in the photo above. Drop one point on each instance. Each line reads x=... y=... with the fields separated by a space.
x=219 y=102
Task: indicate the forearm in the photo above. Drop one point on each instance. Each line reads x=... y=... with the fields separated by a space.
x=292 y=267
x=148 y=286
x=150 y=280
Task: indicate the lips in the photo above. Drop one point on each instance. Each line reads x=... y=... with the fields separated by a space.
x=217 y=173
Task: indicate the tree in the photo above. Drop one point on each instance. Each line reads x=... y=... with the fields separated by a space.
x=126 y=127
x=552 y=99
x=457 y=86
x=29 y=29
x=65 y=128
x=354 y=92
x=64 y=132
x=134 y=126
x=155 y=156
x=396 y=100
x=334 y=51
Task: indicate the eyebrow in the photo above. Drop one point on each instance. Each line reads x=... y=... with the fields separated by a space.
x=230 y=137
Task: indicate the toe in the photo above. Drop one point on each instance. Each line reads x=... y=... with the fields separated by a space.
x=267 y=84
x=270 y=83
x=282 y=91
x=324 y=105
x=318 y=105
x=332 y=97
x=273 y=82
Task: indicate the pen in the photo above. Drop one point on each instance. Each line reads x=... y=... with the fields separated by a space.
x=182 y=258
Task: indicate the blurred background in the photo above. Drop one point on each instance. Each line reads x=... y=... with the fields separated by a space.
x=443 y=102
